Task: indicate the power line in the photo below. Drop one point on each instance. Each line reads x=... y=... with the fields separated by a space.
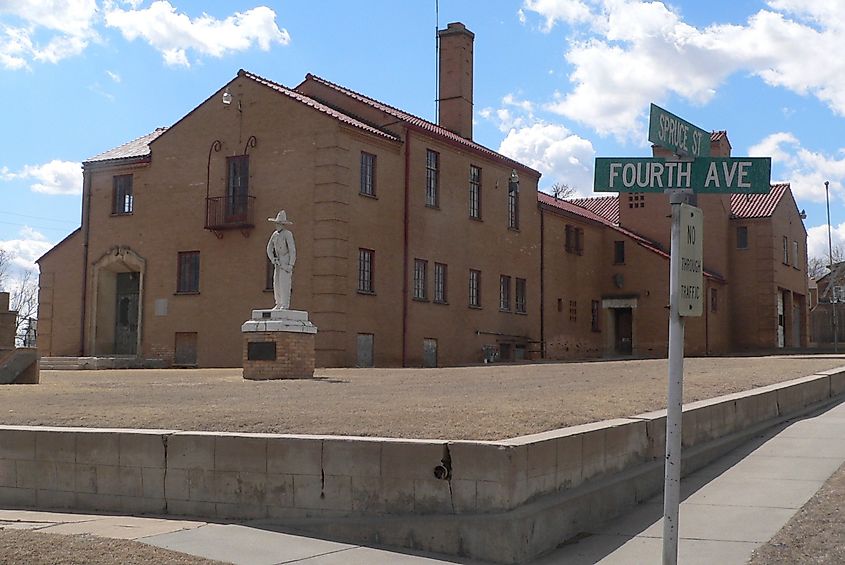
x=36 y=217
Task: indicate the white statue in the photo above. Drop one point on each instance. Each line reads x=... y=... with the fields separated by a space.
x=282 y=253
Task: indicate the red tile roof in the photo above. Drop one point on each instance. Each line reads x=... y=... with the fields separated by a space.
x=422 y=124
x=139 y=147
x=338 y=115
x=573 y=208
x=605 y=206
x=757 y=205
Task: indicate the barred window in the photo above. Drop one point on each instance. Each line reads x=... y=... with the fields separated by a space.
x=188 y=272
x=573 y=311
x=520 y=296
x=440 y=283
x=366 y=264
x=420 y=289
x=475 y=192
x=368 y=174
x=504 y=293
x=123 y=201
x=432 y=178
x=474 y=288
x=594 y=316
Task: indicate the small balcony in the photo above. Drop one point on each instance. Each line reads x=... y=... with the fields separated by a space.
x=235 y=212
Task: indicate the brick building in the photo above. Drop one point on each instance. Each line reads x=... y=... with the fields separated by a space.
x=417 y=246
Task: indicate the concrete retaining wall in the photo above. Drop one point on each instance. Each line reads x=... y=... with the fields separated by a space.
x=505 y=501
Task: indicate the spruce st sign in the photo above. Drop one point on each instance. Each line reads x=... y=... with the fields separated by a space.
x=681 y=137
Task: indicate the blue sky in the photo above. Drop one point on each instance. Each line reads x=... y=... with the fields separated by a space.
x=557 y=82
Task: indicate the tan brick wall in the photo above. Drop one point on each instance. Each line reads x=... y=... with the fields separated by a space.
x=294 y=356
x=60 y=298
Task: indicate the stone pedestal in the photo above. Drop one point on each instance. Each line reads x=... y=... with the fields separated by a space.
x=278 y=344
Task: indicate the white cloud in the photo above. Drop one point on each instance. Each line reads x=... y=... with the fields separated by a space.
x=817 y=243
x=45 y=30
x=566 y=11
x=626 y=53
x=805 y=170
x=174 y=34
x=114 y=76
x=55 y=177
x=554 y=151
x=29 y=246
x=514 y=113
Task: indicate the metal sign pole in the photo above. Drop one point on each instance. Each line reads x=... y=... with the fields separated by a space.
x=674 y=413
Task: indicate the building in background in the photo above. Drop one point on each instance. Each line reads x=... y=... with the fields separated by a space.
x=416 y=245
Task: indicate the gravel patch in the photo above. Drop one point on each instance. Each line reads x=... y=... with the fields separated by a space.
x=485 y=402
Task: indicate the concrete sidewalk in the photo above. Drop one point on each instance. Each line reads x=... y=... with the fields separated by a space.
x=730 y=507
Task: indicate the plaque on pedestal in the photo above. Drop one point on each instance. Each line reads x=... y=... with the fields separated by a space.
x=278 y=344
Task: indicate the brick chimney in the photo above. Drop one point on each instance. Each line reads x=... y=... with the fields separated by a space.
x=455 y=96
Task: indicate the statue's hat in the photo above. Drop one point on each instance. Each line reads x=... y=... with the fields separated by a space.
x=281 y=218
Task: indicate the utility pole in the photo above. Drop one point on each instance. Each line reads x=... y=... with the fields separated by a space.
x=831 y=283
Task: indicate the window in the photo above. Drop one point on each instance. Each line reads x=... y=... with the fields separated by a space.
x=474 y=192
x=440 y=283
x=513 y=209
x=574 y=242
x=237 y=187
x=594 y=316
x=560 y=304
x=785 y=250
x=795 y=256
x=742 y=237
x=520 y=296
x=504 y=293
x=122 y=198
x=432 y=179
x=420 y=290
x=188 y=272
x=368 y=174
x=474 y=288
x=573 y=311
x=714 y=300
x=366 y=263
x=619 y=252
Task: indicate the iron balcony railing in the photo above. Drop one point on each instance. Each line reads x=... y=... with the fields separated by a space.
x=230 y=212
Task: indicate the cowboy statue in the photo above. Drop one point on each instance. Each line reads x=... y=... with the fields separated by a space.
x=282 y=253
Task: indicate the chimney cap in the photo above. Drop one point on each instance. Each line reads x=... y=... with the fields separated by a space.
x=455 y=28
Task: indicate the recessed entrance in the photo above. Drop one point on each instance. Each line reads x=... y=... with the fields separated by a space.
x=115 y=316
x=623 y=330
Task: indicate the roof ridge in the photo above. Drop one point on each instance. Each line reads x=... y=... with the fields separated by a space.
x=317 y=104
x=367 y=98
x=421 y=123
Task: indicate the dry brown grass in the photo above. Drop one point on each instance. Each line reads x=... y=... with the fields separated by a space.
x=486 y=402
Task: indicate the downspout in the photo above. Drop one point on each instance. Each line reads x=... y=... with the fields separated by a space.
x=707 y=292
x=405 y=248
x=86 y=213
x=542 y=285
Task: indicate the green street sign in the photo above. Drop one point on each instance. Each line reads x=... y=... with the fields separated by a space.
x=676 y=134
x=740 y=175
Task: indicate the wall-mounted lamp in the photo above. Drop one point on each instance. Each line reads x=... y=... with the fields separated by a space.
x=513 y=182
x=803 y=214
x=227 y=97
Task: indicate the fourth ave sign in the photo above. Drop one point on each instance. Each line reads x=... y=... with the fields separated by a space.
x=743 y=175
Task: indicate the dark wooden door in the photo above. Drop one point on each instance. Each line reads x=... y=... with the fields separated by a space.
x=126 y=314
x=624 y=331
